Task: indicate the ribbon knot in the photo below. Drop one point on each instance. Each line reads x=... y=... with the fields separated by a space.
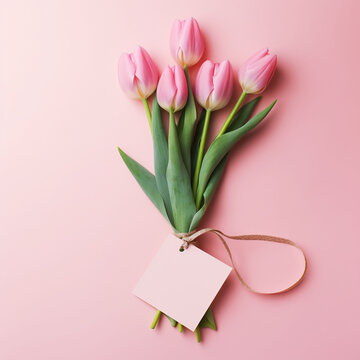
x=191 y=237
x=186 y=238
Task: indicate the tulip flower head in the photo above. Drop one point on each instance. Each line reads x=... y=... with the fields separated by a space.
x=214 y=83
x=256 y=73
x=186 y=43
x=138 y=75
x=172 y=89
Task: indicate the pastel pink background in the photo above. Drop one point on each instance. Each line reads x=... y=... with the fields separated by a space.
x=76 y=231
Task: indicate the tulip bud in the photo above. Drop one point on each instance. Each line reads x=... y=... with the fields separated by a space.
x=186 y=43
x=172 y=89
x=256 y=73
x=138 y=74
x=214 y=83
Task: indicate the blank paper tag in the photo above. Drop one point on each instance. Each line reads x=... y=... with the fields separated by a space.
x=183 y=284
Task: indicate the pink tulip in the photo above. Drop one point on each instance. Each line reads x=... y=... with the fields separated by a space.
x=256 y=73
x=186 y=43
x=172 y=89
x=138 y=74
x=214 y=83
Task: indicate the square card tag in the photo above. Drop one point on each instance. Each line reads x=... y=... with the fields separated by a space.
x=183 y=284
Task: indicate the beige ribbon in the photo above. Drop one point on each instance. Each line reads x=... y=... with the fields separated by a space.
x=191 y=238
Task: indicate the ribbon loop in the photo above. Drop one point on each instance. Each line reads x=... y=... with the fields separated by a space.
x=191 y=238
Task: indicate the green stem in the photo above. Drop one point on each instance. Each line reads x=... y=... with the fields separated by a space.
x=232 y=114
x=197 y=334
x=201 y=152
x=156 y=319
x=171 y=117
x=180 y=327
x=148 y=112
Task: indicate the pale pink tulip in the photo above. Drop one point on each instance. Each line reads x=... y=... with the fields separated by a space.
x=172 y=89
x=138 y=75
x=186 y=43
x=214 y=84
x=256 y=73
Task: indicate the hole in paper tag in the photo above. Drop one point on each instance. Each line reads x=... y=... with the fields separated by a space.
x=182 y=285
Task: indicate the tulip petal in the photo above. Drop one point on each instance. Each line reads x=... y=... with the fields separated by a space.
x=204 y=84
x=223 y=85
x=264 y=78
x=214 y=84
x=182 y=90
x=191 y=42
x=126 y=75
x=256 y=73
x=174 y=39
x=146 y=72
x=186 y=43
x=166 y=89
x=252 y=60
x=137 y=73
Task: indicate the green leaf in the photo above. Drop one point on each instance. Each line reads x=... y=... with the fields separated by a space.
x=209 y=192
x=208 y=320
x=161 y=156
x=221 y=146
x=173 y=322
x=186 y=124
x=196 y=141
x=178 y=179
x=147 y=182
x=240 y=119
x=242 y=116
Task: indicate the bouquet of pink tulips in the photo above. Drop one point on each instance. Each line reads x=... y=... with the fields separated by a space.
x=186 y=174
